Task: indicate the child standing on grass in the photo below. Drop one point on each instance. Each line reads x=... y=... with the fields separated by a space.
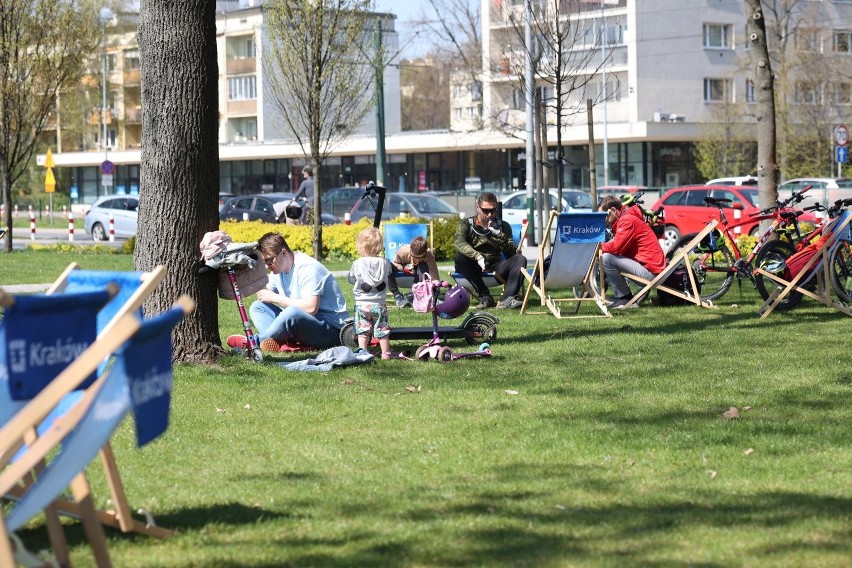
x=369 y=279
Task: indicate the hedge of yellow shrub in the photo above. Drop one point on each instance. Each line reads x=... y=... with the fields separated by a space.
x=338 y=240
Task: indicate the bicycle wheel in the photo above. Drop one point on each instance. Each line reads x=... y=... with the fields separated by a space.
x=770 y=255
x=840 y=269
x=713 y=271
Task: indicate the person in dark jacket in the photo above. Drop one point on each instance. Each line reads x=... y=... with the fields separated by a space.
x=634 y=249
x=484 y=243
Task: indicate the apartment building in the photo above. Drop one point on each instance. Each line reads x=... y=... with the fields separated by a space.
x=659 y=77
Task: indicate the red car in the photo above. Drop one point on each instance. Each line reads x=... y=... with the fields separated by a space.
x=685 y=210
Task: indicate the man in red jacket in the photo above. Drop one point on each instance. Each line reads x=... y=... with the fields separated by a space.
x=634 y=249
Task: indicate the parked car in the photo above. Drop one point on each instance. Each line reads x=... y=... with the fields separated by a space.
x=823 y=190
x=339 y=200
x=514 y=208
x=411 y=204
x=686 y=212
x=124 y=211
x=736 y=180
x=267 y=207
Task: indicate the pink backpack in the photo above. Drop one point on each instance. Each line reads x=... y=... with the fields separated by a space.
x=422 y=292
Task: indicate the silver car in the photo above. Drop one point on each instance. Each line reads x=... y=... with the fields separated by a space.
x=401 y=204
x=122 y=208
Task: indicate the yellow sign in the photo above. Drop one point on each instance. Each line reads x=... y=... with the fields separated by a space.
x=49 y=181
x=48 y=160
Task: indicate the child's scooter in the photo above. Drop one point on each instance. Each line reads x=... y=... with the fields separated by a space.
x=476 y=328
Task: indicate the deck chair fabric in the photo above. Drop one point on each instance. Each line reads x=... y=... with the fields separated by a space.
x=569 y=263
x=131 y=291
x=140 y=380
x=397 y=235
x=817 y=266
x=679 y=259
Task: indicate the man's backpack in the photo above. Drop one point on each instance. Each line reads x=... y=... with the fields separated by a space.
x=677 y=280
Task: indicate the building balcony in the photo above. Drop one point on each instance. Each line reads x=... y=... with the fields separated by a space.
x=98 y=116
x=241 y=65
x=132 y=77
x=133 y=115
x=244 y=107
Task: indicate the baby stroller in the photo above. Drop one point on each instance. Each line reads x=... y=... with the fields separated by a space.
x=455 y=303
x=239 y=266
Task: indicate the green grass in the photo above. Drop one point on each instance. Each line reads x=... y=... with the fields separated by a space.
x=613 y=452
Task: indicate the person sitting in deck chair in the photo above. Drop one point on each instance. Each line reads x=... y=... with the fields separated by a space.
x=634 y=249
x=485 y=243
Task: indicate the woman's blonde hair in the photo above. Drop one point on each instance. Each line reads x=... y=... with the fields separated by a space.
x=369 y=242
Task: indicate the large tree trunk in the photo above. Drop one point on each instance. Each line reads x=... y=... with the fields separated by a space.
x=767 y=163
x=179 y=172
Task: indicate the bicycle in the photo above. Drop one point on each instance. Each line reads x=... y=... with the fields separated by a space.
x=716 y=264
x=656 y=219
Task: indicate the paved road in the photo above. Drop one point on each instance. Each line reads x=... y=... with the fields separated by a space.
x=21 y=238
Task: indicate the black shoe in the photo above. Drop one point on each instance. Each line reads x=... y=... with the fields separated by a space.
x=485 y=302
x=618 y=302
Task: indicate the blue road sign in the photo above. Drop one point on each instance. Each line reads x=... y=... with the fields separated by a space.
x=107 y=167
x=841 y=154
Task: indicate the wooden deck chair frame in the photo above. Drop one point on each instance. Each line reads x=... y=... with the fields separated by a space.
x=587 y=292
x=823 y=294
x=658 y=282
x=18 y=431
x=122 y=517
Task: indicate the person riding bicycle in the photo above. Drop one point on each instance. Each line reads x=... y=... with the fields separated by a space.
x=634 y=249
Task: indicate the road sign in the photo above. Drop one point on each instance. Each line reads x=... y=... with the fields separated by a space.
x=49 y=181
x=841 y=154
x=106 y=180
x=841 y=135
x=48 y=160
x=107 y=168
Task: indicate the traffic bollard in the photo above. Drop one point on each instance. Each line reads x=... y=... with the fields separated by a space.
x=347 y=218
x=111 y=228
x=32 y=225
x=71 y=227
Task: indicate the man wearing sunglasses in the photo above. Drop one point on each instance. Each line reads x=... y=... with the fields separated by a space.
x=484 y=243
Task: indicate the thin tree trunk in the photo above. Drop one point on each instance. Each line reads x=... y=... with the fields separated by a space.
x=179 y=172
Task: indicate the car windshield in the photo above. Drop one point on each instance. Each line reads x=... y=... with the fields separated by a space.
x=578 y=199
x=751 y=195
x=431 y=205
x=844 y=183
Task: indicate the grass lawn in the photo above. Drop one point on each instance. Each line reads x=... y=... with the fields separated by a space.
x=587 y=442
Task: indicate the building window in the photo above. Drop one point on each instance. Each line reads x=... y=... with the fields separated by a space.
x=843 y=42
x=472 y=112
x=808 y=40
x=750 y=95
x=716 y=90
x=131 y=59
x=242 y=88
x=458 y=90
x=841 y=93
x=807 y=93
x=457 y=113
x=718 y=36
x=250 y=49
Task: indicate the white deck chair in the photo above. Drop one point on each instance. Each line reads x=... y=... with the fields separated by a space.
x=573 y=265
x=679 y=259
x=816 y=267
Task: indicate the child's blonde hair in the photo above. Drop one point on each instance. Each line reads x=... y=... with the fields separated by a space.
x=369 y=242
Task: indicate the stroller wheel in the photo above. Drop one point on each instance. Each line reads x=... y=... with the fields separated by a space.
x=257 y=355
x=445 y=355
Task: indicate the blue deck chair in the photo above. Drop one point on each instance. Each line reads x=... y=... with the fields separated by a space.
x=139 y=379
x=397 y=235
x=571 y=265
x=816 y=267
x=133 y=288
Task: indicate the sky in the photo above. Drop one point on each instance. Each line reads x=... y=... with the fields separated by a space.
x=406 y=11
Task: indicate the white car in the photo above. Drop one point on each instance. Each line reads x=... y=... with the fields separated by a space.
x=123 y=209
x=736 y=180
x=515 y=206
x=823 y=190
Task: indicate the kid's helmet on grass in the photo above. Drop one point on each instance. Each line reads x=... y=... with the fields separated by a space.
x=456 y=302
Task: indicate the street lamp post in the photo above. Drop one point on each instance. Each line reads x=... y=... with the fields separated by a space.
x=106 y=15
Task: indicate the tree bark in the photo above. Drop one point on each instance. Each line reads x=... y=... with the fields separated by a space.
x=767 y=163
x=179 y=171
